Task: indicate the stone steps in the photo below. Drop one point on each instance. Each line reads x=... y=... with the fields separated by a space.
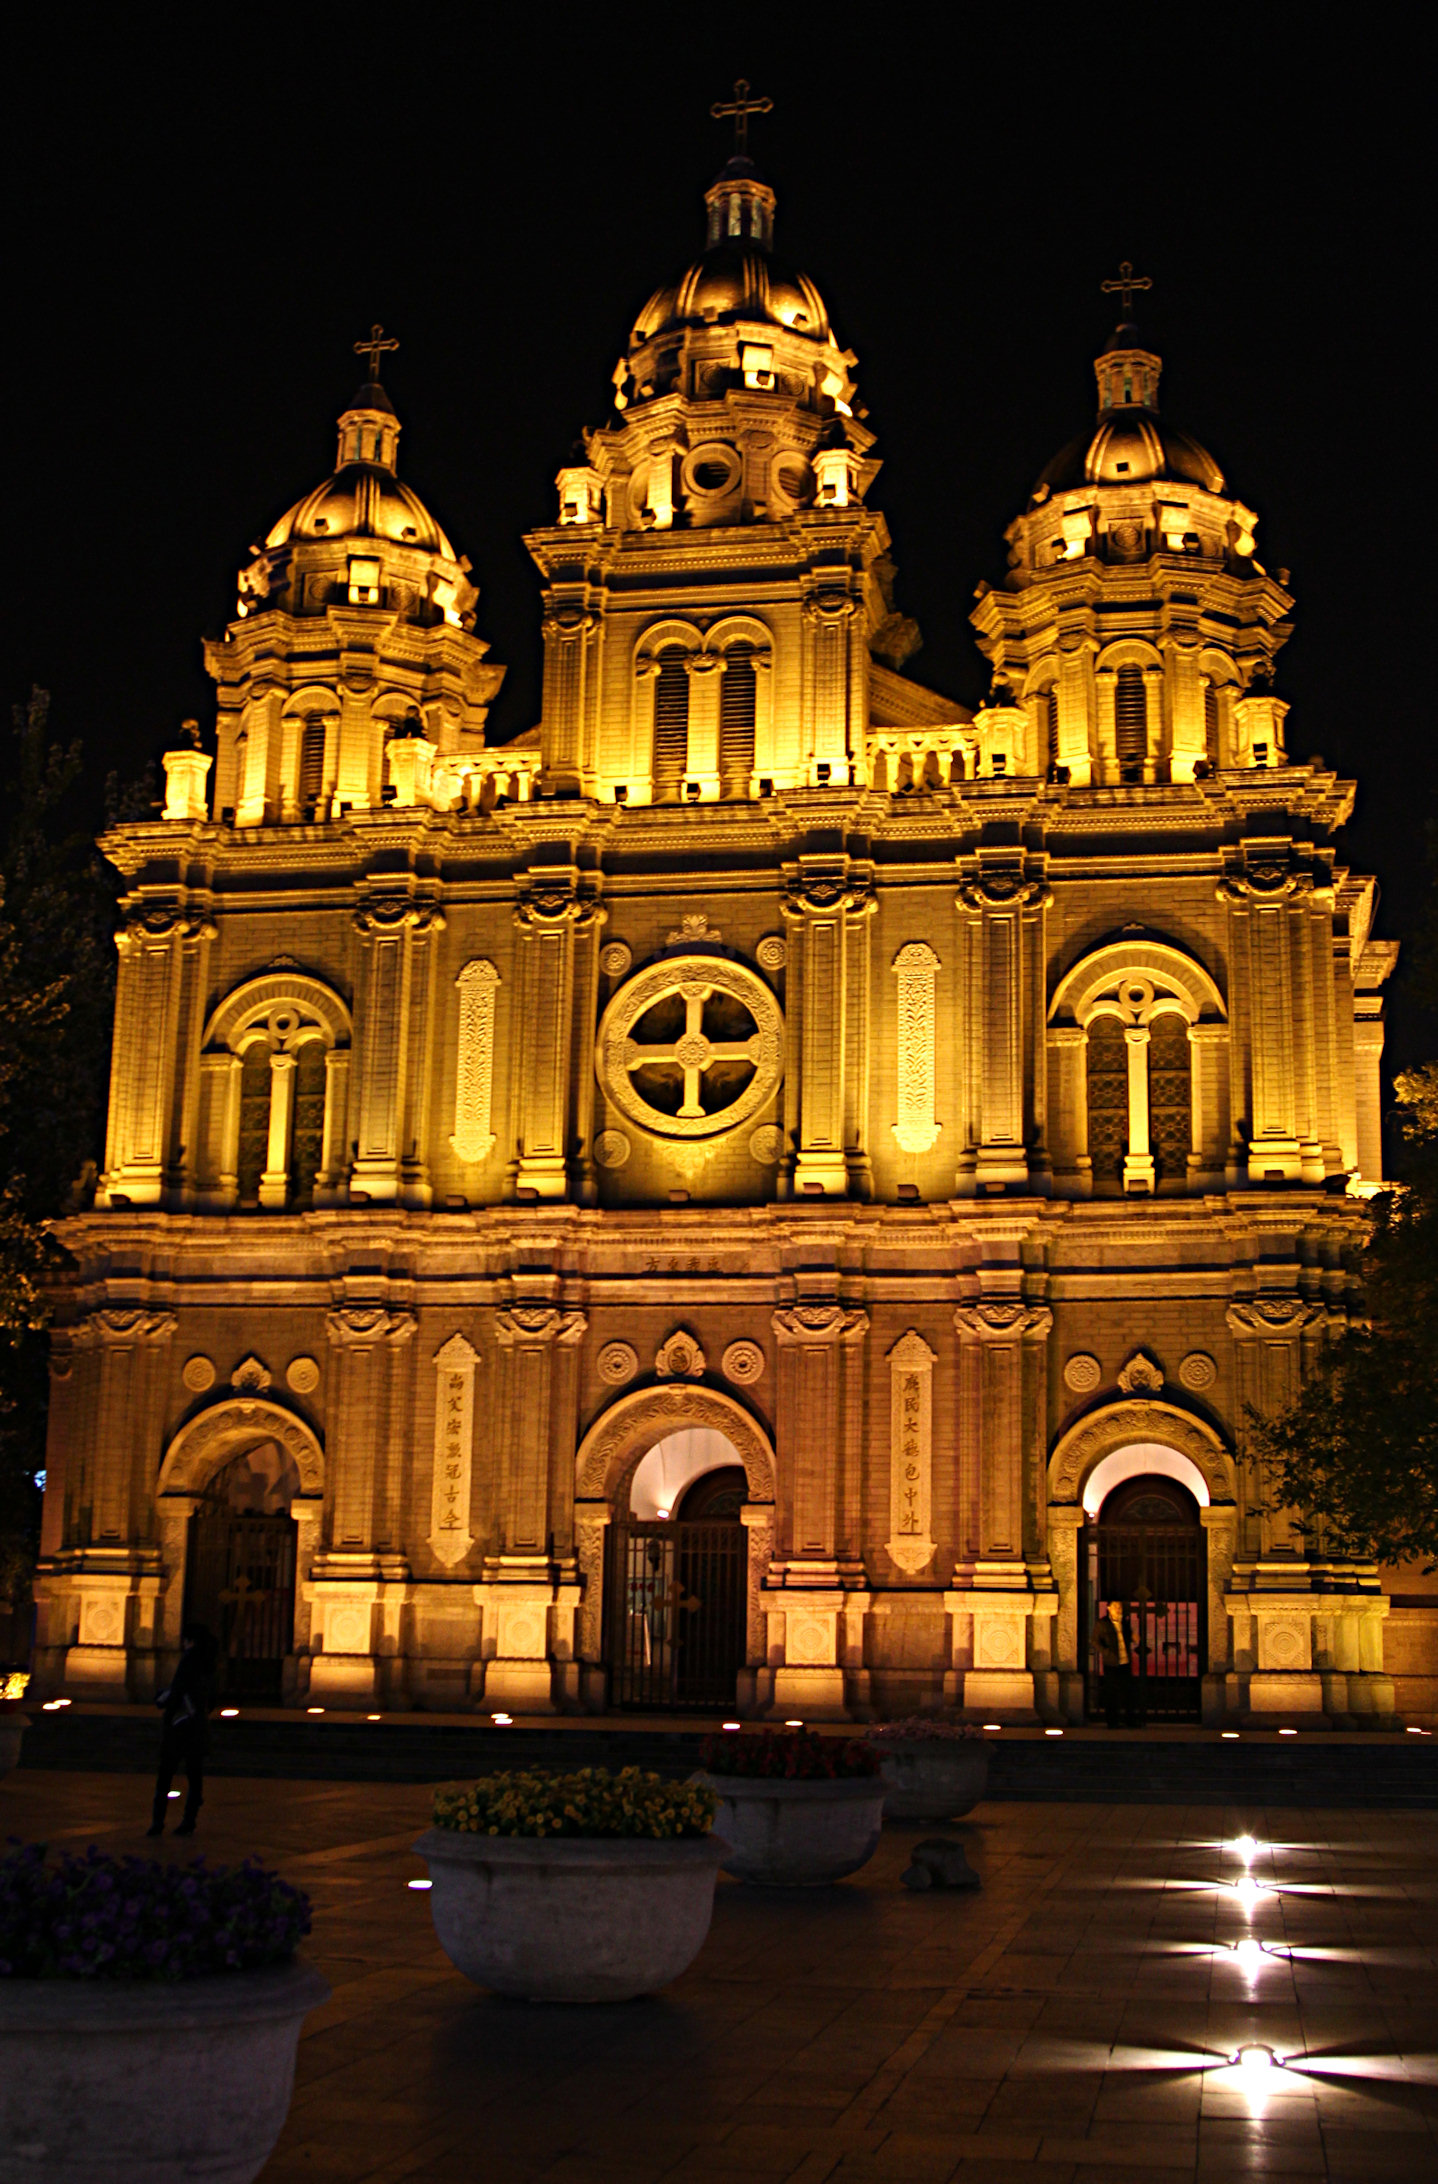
x=1090 y=1767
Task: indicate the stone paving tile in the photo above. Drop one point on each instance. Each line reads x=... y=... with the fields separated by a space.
x=1071 y=2022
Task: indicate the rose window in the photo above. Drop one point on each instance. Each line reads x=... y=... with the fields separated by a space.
x=691 y=1046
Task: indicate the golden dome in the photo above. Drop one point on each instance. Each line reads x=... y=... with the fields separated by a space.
x=1130 y=443
x=363 y=498
x=737 y=280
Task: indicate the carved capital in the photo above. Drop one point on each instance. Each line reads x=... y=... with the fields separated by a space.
x=529 y=1326
x=1004 y=1322
x=119 y=1324
x=812 y=1323
x=1272 y=1316
x=363 y=1326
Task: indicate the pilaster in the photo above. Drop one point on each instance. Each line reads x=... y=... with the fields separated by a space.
x=811 y=1636
x=550 y=917
x=392 y=1041
x=1004 y=1022
x=993 y=1597
x=825 y=896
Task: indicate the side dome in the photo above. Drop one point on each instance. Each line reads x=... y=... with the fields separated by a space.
x=1130 y=443
x=363 y=498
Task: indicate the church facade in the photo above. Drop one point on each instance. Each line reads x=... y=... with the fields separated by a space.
x=770 y=1191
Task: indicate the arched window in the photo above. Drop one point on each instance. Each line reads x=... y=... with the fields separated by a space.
x=254 y=1119
x=307 y=1127
x=738 y=695
x=1210 y=724
x=1107 y=1062
x=1170 y=1098
x=1051 y=724
x=1130 y=721
x=671 y=724
x=273 y=1087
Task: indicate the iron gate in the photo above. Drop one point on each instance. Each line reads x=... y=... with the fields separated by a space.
x=675 y=1600
x=240 y=1582
x=1160 y=1573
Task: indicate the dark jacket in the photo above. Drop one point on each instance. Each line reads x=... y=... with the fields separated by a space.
x=1105 y=1640
x=184 y=1706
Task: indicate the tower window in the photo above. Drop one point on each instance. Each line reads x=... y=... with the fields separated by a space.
x=1210 y=723
x=1130 y=719
x=671 y=724
x=312 y=764
x=737 y=696
x=1051 y=723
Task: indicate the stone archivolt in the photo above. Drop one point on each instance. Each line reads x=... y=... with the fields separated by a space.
x=379 y=1073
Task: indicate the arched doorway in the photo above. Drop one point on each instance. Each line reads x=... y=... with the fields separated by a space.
x=240 y=1569
x=675 y=1591
x=1145 y=1546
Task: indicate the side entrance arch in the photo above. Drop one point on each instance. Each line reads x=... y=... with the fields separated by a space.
x=674 y=1549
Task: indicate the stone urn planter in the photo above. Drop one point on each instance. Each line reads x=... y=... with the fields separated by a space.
x=107 y=2081
x=798 y=1810
x=932 y=1778
x=615 y=1907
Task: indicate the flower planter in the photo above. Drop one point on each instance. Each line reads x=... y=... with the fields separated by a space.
x=931 y=1778
x=571 y=1918
x=12 y=1729
x=136 y=2082
x=800 y=1834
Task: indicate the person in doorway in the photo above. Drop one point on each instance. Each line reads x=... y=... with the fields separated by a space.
x=184 y=1732
x=1113 y=1642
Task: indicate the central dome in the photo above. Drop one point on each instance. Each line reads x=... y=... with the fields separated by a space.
x=1130 y=443
x=362 y=497
x=738 y=276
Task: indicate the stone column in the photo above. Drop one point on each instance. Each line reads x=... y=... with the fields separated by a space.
x=529 y=1610
x=392 y=1045
x=1064 y=1688
x=550 y=917
x=1068 y=1110
x=1138 y=1171
x=156 y=992
x=1001 y=1456
x=1260 y=956
x=573 y=652
x=275 y=1181
x=823 y=899
x=811 y=1629
x=1208 y=1091
x=999 y=904
x=830 y=620
x=359 y=1583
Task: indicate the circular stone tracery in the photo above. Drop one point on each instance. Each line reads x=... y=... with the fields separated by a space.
x=691 y=1046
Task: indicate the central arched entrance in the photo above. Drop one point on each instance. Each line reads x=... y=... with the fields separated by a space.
x=675 y=1591
x=240 y=1569
x=1145 y=1547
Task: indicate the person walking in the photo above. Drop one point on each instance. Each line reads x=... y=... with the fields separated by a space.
x=1113 y=1642
x=184 y=1726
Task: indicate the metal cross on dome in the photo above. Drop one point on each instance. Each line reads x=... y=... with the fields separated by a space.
x=1127 y=284
x=741 y=106
x=693 y=1051
x=376 y=347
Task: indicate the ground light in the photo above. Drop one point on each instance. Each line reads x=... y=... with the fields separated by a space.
x=419 y=1884
x=1248 y=1890
x=228 y=1713
x=793 y=1725
x=993 y=1725
x=1256 y=2061
x=502 y=1721
x=1245 y=1846
x=730 y=1725
x=1288 y=1732
x=1229 y=1736
x=314 y=1709
x=371 y=1717
x=1053 y=1732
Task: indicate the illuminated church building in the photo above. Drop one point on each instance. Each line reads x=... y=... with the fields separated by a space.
x=768 y=1191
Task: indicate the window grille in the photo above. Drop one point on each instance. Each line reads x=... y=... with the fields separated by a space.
x=671 y=723
x=1051 y=713
x=307 y=1126
x=1107 y=1100
x=254 y=1120
x=737 y=698
x=1170 y=1125
x=312 y=764
x=1130 y=714
x=1210 y=723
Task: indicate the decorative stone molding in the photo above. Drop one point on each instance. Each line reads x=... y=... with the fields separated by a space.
x=772 y=953
x=1117 y=1425
x=198 y=1373
x=680 y=1358
x=743 y=1363
x=1273 y=1316
x=819 y=1323
x=303 y=1375
x=1140 y=1376
x=130 y=1323
x=997 y=1322
x=632 y=1424
x=251 y=1374
x=694 y=926
x=1197 y=1372
x=450 y=1537
x=611 y=1148
x=911 y=1438
x=617 y=1363
x=615 y=958
x=478 y=984
x=206 y=1444
x=1082 y=1373
x=361 y=1326
x=916 y=967
x=528 y=1324
x=694 y=979
x=766 y=1145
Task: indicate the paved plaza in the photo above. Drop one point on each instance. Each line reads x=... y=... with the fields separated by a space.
x=1072 y=2023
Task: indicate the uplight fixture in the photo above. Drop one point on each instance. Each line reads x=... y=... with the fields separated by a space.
x=1053 y=1732
x=1229 y=1736
x=793 y=1725
x=502 y=1721
x=729 y=1725
x=1414 y=1732
x=1288 y=1732
x=1245 y=1846
x=314 y=1709
x=172 y=1793
x=419 y=1884
x=1249 y=1953
x=1257 y=2060
x=993 y=1725
x=228 y=1713
x=371 y=1717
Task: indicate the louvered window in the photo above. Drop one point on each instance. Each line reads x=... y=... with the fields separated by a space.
x=671 y=724
x=1210 y=723
x=737 y=696
x=307 y=1128
x=312 y=764
x=1170 y=1111
x=1107 y=1100
x=254 y=1120
x=1051 y=722
x=1131 y=722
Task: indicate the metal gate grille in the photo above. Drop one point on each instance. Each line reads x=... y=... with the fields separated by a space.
x=240 y=1582
x=675 y=1613
x=1159 y=1571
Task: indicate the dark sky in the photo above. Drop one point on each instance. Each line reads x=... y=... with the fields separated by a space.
x=207 y=208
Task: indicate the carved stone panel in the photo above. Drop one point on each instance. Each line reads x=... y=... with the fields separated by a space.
x=911 y=1453
x=450 y=1537
x=916 y=967
x=478 y=983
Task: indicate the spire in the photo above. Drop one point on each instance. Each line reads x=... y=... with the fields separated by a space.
x=369 y=429
x=1127 y=371
x=740 y=201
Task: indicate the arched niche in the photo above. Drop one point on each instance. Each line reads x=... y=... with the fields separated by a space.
x=610 y=1454
x=664 y=1472
x=1142 y=1460
x=1178 y=980
x=275 y=1070
x=1141 y=1422
x=214 y=1437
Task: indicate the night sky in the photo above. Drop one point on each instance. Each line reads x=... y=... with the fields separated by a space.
x=208 y=208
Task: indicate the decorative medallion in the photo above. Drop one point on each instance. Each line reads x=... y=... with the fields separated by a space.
x=1082 y=1373
x=616 y=1363
x=1140 y=1376
x=679 y=1358
x=766 y=1145
x=303 y=1375
x=251 y=1373
x=615 y=958
x=691 y=1046
x=198 y=1373
x=694 y=925
x=611 y=1148
x=1198 y=1371
x=743 y=1363
x=772 y=952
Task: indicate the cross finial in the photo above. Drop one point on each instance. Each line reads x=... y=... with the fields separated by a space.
x=741 y=106
x=1125 y=286
x=376 y=347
